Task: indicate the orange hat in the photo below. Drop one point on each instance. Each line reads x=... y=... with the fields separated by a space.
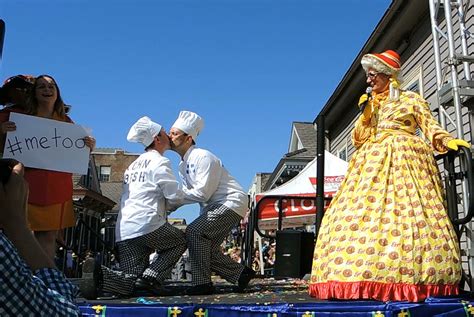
x=387 y=62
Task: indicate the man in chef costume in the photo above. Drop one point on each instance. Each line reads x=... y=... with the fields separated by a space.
x=142 y=228
x=223 y=204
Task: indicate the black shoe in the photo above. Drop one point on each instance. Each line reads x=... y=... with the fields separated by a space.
x=202 y=289
x=245 y=277
x=147 y=286
x=89 y=283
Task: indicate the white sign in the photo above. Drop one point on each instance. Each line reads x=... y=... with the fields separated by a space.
x=47 y=144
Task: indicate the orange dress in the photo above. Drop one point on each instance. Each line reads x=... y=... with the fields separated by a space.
x=386 y=235
x=50 y=205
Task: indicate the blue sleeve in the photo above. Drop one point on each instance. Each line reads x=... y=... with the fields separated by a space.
x=22 y=293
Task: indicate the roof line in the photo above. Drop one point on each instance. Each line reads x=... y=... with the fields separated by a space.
x=373 y=38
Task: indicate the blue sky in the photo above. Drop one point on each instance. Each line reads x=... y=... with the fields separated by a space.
x=248 y=67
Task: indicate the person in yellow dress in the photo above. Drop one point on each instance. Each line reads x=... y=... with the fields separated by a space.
x=386 y=235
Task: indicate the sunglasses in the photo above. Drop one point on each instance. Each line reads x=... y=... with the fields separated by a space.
x=371 y=75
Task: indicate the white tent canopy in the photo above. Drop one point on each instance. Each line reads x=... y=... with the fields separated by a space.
x=300 y=211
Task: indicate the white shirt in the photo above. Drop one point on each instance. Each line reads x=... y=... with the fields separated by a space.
x=206 y=181
x=148 y=184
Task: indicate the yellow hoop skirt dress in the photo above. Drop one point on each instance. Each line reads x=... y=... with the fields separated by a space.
x=386 y=235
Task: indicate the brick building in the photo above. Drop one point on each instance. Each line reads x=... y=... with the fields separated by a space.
x=111 y=163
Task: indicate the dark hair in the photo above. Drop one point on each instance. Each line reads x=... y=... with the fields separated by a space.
x=17 y=81
x=32 y=103
x=192 y=140
x=153 y=142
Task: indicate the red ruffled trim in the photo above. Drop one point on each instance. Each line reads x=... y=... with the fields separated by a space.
x=379 y=291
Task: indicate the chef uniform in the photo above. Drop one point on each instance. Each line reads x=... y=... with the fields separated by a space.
x=223 y=205
x=142 y=227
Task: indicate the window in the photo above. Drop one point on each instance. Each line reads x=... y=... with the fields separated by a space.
x=104 y=173
x=415 y=86
x=342 y=153
x=413 y=80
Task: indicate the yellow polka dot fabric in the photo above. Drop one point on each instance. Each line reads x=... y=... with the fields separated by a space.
x=386 y=234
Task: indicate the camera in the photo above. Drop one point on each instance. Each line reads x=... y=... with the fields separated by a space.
x=6 y=167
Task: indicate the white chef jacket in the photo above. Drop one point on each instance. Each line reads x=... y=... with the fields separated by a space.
x=206 y=181
x=147 y=185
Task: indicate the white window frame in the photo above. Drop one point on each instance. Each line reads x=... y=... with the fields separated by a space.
x=341 y=150
x=415 y=75
x=100 y=173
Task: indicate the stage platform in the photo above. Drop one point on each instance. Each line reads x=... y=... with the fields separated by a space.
x=269 y=298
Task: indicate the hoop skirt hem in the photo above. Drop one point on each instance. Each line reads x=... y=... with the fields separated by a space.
x=379 y=291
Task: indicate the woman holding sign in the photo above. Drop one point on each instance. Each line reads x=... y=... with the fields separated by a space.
x=50 y=207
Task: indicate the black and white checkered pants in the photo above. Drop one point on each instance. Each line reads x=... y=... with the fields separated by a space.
x=134 y=254
x=204 y=237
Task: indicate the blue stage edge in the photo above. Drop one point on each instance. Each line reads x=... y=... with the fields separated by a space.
x=446 y=307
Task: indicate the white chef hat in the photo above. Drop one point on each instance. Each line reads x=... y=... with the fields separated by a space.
x=190 y=123
x=143 y=131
